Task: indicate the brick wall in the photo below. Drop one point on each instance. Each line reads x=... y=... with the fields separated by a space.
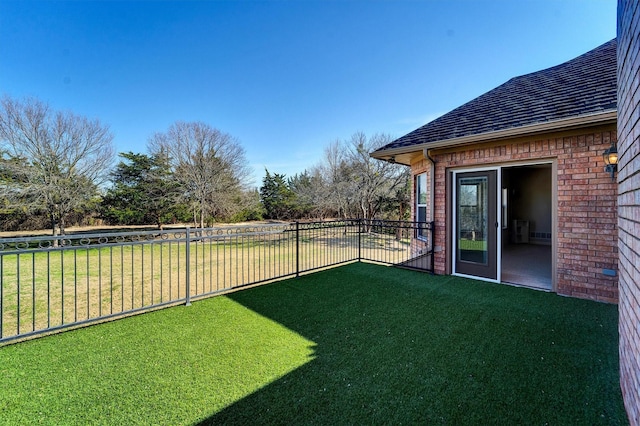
x=586 y=205
x=422 y=166
x=629 y=203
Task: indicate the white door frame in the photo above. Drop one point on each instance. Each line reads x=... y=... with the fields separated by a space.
x=554 y=215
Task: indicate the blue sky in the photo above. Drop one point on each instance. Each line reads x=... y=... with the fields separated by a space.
x=284 y=77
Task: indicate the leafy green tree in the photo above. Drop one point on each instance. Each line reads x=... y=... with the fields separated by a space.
x=143 y=191
x=252 y=210
x=277 y=198
x=305 y=197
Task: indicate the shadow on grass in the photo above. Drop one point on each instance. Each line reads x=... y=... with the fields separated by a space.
x=396 y=346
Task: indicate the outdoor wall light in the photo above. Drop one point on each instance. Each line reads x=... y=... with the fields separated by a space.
x=610 y=157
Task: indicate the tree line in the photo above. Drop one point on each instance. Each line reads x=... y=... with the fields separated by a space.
x=346 y=183
x=57 y=169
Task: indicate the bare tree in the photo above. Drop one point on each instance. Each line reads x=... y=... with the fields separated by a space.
x=209 y=165
x=375 y=182
x=336 y=190
x=52 y=161
x=354 y=184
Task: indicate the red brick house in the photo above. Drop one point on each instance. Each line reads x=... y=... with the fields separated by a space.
x=629 y=204
x=515 y=180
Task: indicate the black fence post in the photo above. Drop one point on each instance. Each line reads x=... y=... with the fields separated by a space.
x=297 y=249
x=188 y=265
x=359 y=240
x=432 y=225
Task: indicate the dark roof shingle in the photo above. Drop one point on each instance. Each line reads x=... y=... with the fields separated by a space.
x=584 y=85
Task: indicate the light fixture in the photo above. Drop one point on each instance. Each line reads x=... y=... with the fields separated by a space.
x=610 y=156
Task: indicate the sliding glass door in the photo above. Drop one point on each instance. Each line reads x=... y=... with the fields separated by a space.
x=476 y=224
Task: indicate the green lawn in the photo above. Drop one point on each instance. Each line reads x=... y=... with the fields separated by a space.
x=477 y=245
x=358 y=344
x=49 y=289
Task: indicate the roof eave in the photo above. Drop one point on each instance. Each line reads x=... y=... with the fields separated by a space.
x=585 y=120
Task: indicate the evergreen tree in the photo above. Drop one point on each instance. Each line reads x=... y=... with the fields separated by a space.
x=143 y=192
x=302 y=187
x=277 y=198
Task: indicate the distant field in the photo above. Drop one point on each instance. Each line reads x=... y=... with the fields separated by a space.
x=116 y=228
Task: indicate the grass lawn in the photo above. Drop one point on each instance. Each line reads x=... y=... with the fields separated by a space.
x=477 y=245
x=47 y=289
x=358 y=344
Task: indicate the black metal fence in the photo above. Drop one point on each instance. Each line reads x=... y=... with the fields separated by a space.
x=49 y=284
